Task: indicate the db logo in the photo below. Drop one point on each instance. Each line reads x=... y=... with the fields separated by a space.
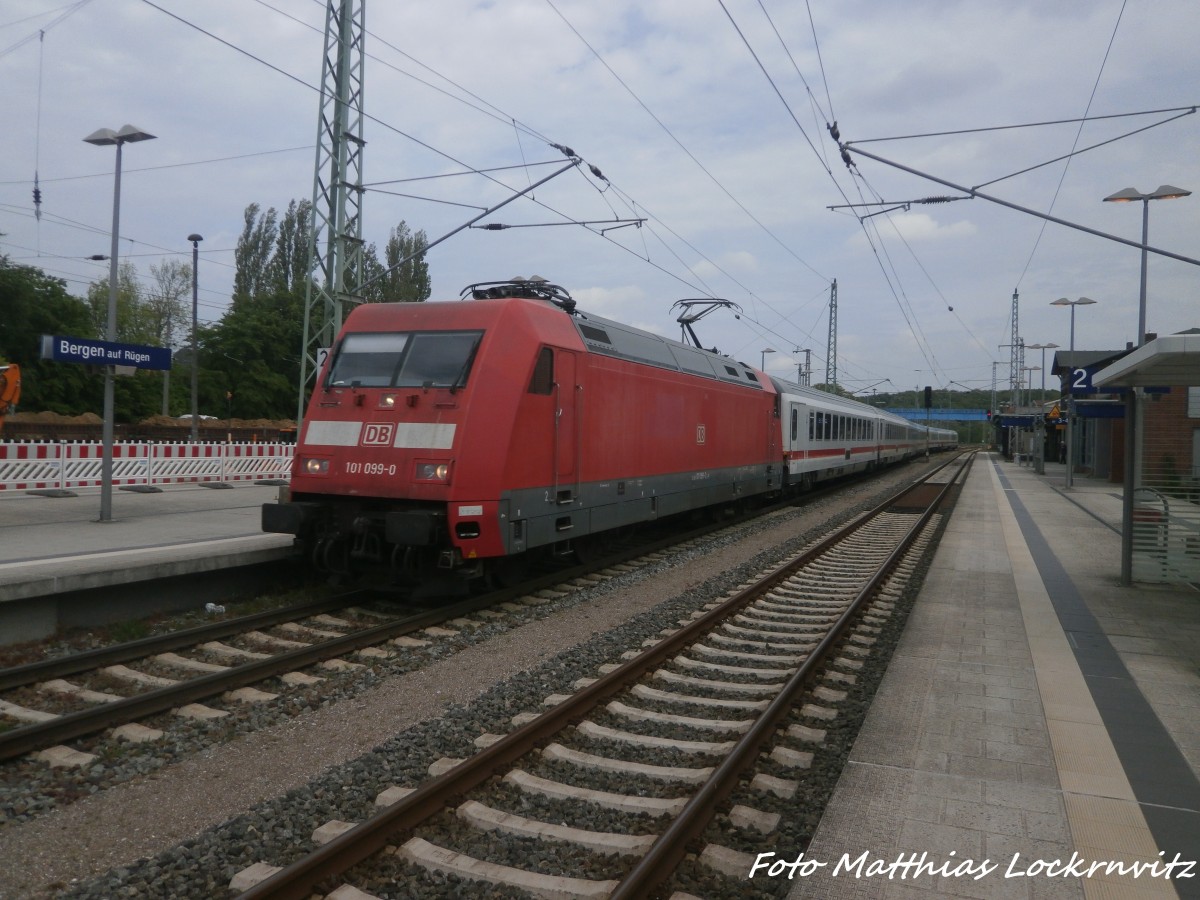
x=378 y=435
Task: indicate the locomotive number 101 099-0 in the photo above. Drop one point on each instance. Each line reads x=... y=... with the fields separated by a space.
x=357 y=468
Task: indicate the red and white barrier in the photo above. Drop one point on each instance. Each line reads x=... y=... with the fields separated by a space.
x=42 y=466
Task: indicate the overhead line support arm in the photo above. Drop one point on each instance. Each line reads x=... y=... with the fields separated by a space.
x=1033 y=212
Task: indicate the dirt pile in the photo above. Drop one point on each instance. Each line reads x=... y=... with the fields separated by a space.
x=53 y=418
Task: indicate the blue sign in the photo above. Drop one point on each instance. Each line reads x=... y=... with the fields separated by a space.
x=104 y=353
x=1081 y=381
x=939 y=414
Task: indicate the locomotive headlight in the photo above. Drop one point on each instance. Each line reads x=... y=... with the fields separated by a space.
x=433 y=471
x=387 y=401
x=314 y=466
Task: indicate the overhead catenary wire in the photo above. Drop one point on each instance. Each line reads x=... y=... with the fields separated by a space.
x=178 y=165
x=68 y=12
x=602 y=232
x=908 y=314
x=684 y=147
x=369 y=117
x=1018 y=125
x=1074 y=145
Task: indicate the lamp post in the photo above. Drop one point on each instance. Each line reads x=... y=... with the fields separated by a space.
x=1043 y=348
x=763 y=359
x=105 y=137
x=1029 y=383
x=1063 y=301
x=1129 y=195
x=195 y=239
x=1025 y=388
x=1041 y=454
x=1133 y=405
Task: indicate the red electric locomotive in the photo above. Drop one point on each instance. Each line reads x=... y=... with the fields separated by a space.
x=460 y=436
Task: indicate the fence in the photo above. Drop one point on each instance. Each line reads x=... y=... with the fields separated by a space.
x=1166 y=514
x=62 y=466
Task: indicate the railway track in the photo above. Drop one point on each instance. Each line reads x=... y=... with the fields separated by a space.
x=624 y=778
x=50 y=702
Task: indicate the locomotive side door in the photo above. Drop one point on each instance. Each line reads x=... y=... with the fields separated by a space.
x=566 y=425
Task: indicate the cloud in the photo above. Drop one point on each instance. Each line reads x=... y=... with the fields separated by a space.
x=735 y=186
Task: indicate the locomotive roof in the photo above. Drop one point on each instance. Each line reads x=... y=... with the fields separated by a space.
x=597 y=334
x=610 y=338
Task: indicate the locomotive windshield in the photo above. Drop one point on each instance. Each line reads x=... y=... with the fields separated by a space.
x=414 y=359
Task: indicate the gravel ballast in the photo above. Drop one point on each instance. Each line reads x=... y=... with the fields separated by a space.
x=184 y=829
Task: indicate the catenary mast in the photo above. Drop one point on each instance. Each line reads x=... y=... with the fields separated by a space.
x=335 y=239
x=831 y=344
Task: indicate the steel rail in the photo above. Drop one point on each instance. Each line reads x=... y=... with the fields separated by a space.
x=31 y=673
x=33 y=737
x=28 y=738
x=666 y=853
x=43 y=670
x=298 y=880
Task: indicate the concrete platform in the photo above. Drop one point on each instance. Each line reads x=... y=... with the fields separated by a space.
x=60 y=566
x=1035 y=711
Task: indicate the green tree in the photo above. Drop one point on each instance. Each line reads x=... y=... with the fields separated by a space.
x=289 y=264
x=253 y=353
x=403 y=276
x=252 y=256
x=167 y=316
x=139 y=321
x=135 y=323
x=33 y=303
x=166 y=310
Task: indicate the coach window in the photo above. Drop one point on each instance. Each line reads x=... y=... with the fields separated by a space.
x=542 y=381
x=795 y=423
x=812 y=419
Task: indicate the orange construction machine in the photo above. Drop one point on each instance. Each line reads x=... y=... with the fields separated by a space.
x=10 y=390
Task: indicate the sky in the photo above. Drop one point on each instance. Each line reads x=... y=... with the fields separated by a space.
x=708 y=120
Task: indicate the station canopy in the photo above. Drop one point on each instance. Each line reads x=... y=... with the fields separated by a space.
x=1163 y=362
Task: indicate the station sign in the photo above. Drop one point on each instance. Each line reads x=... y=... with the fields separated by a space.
x=1081 y=381
x=104 y=353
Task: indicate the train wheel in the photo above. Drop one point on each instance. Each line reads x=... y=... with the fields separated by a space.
x=507 y=571
x=331 y=554
x=591 y=547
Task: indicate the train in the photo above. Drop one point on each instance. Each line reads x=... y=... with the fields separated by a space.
x=465 y=439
